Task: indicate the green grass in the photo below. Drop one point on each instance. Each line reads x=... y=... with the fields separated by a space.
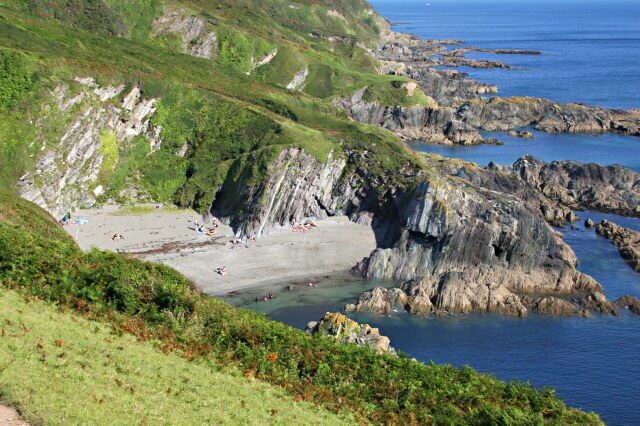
x=139 y=210
x=154 y=302
x=59 y=368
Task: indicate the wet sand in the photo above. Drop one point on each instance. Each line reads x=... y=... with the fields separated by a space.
x=169 y=237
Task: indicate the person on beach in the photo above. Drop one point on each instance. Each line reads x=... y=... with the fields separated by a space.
x=65 y=219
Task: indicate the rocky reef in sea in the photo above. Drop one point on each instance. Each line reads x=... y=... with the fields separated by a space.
x=627 y=241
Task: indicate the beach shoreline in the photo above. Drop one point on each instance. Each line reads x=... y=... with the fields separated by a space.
x=168 y=236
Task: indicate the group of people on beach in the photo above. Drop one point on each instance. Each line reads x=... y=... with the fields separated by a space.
x=303 y=227
x=208 y=231
x=221 y=270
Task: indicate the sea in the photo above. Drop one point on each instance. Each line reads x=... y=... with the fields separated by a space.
x=590 y=54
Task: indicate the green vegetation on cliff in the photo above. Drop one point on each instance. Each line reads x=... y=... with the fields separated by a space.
x=156 y=304
x=223 y=119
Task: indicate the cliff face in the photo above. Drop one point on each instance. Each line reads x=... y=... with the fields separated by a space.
x=297 y=185
x=463 y=249
x=433 y=124
x=67 y=175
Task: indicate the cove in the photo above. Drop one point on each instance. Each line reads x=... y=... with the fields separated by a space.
x=584 y=359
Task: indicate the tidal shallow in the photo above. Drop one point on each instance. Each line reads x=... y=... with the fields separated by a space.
x=603 y=149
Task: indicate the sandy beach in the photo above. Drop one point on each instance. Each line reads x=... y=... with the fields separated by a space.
x=168 y=236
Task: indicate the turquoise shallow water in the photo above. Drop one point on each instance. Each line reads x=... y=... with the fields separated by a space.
x=591 y=50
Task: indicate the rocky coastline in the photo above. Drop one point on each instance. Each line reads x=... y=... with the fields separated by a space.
x=461 y=112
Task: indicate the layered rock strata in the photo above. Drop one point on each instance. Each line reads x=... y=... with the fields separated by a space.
x=466 y=250
x=67 y=174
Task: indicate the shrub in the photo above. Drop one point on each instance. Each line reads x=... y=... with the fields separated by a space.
x=109 y=152
x=15 y=79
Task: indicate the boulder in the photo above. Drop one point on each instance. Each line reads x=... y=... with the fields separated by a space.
x=345 y=330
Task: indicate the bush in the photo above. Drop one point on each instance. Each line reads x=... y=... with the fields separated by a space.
x=15 y=79
x=109 y=152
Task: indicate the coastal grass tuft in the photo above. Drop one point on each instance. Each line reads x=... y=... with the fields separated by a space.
x=155 y=303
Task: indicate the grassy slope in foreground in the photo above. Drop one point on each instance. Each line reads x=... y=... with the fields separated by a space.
x=62 y=369
x=154 y=302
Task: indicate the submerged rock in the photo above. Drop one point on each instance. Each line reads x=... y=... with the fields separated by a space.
x=345 y=330
x=630 y=302
x=521 y=134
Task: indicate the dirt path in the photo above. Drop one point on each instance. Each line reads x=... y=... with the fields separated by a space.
x=10 y=417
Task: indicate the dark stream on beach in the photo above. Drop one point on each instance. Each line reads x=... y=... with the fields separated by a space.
x=591 y=50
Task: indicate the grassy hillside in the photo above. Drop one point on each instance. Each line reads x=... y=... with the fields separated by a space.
x=44 y=45
x=224 y=114
x=60 y=368
x=156 y=304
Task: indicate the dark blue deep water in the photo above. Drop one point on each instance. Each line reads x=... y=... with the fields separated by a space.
x=591 y=54
x=591 y=48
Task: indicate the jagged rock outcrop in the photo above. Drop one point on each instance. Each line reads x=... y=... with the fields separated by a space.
x=66 y=176
x=380 y=301
x=554 y=306
x=464 y=249
x=298 y=80
x=583 y=186
x=524 y=134
x=345 y=330
x=501 y=179
x=630 y=302
x=627 y=240
x=448 y=87
x=433 y=123
x=505 y=114
x=197 y=35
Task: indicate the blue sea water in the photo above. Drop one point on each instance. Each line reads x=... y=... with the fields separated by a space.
x=603 y=149
x=591 y=54
x=590 y=48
